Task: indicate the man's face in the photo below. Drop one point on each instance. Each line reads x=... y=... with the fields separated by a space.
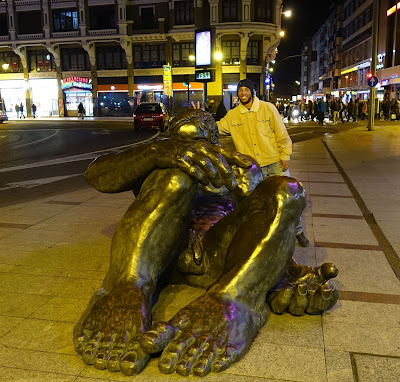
x=244 y=95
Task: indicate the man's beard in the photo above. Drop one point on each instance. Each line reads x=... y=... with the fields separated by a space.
x=245 y=103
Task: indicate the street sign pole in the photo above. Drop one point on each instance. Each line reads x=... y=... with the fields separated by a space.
x=371 y=114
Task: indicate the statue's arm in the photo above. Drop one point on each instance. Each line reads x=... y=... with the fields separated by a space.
x=123 y=171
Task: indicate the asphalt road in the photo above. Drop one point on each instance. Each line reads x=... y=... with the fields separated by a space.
x=40 y=158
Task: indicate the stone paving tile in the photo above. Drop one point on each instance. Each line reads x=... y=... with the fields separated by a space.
x=19 y=304
x=325 y=177
x=361 y=271
x=8 y=323
x=328 y=189
x=338 y=366
x=40 y=335
x=356 y=338
x=371 y=368
x=331 y=205
x=9 y=374
x=37 y=284
x=348 y=231
x=42 y=361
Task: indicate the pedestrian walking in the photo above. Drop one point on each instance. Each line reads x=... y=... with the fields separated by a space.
x=17 y=109
x=34 y=111
x=257 y=129
x=321 y=106
x=21 y=111
x=81 y=110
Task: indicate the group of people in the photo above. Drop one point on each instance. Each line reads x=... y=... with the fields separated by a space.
x=336 y=110
x=19 y=109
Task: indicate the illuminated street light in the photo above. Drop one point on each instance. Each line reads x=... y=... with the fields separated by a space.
x=297 y=82
x=192 y=57
x=5 y=66
x=287 y=13
x=270 y=70
x=218 y=56
x=282 y=33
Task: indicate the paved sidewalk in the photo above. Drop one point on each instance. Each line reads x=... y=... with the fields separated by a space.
x=54 y=253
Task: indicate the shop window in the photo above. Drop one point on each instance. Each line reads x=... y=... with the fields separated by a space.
x=41 y=61
x=263 y=11
x=149 y=56
x=181 y=53
x=230 y=52
x=253 y=53
x=102 y=17
x=65 y=20
x=3 y=24
x=229 y=11
x=13 y=61
x=111 y=57
x=183 y=12
x=147 y=18
x=29 y=22
x=74 y=59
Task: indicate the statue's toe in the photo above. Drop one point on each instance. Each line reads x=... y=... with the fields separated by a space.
x=157 y=338
x=134 y=360
x=221 y=363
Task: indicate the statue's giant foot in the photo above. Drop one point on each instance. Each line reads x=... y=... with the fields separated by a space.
x=106 y=336
x=209 y=334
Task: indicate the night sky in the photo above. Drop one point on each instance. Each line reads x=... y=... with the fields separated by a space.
x=307 y=18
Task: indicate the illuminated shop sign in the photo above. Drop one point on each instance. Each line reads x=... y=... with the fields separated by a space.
x=76 y=82
x=393 y=9
x=385 y=82
x=150 y=87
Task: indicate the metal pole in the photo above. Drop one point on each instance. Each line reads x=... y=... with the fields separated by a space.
x=188 y=86
x=371 y=114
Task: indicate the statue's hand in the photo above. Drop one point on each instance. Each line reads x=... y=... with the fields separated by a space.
x=204 y=162
x=305 y=290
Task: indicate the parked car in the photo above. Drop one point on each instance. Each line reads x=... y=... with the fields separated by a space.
x=3 y=113
x=151 y=114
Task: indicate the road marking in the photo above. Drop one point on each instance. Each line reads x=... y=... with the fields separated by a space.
x=74 y=158
x=101 y=132
x=36 y=182
x=39 y=140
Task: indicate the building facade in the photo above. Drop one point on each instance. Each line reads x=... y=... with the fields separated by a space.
x=344 y=48
x=111 y=54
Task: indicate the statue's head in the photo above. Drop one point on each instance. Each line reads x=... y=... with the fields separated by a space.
x=194 y=124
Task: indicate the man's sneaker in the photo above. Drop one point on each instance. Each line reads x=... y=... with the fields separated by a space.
x=303 y=241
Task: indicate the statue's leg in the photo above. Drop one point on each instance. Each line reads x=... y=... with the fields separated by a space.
x=256 y=242
x=147 y=239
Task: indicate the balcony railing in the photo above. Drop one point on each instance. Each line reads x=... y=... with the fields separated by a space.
x=102 y=32
x=65 y=34
x=4 y=38
x=24 y=3
x=34 y=36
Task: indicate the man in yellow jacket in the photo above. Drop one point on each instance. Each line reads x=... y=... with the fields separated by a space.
x=257 y=130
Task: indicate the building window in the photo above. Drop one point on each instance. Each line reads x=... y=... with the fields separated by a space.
x=74 y=59
x=29 y=22
x=111 y=57
x=181 y=53
x=149 y=56
x=253 y=53
x=102 y=17
x=147 y=18
x=183 y=12
x=3 y=24
x=229 y=11
x=230 y=52
x=263 y=11
x=65 y=20
x=41 y=61
x=13 y=61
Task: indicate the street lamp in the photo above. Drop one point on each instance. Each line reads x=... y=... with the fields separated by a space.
x=5 y=66
x=287 y=13
x=218 y=56
x=282 y=33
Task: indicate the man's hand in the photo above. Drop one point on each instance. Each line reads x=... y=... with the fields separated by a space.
x=284 y=164
x=204 y=162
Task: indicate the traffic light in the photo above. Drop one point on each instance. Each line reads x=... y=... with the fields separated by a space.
x=186 y=80
x=369 y=75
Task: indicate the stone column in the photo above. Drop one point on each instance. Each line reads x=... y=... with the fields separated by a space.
x=46 y=21
x=82 y=17
x=11 y=19
x=244 y=40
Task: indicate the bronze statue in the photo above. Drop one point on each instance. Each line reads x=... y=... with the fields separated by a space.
x=203 y=214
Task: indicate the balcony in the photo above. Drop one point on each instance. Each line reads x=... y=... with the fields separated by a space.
x=102 y=32
x=27 y=5
x=56 y=4
x=4 y=38
x=65 y=34
x=34 y=36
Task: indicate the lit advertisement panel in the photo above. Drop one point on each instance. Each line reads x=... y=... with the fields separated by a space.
x=203 y=48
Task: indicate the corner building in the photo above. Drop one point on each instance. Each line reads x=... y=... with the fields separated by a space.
x=109 y=54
